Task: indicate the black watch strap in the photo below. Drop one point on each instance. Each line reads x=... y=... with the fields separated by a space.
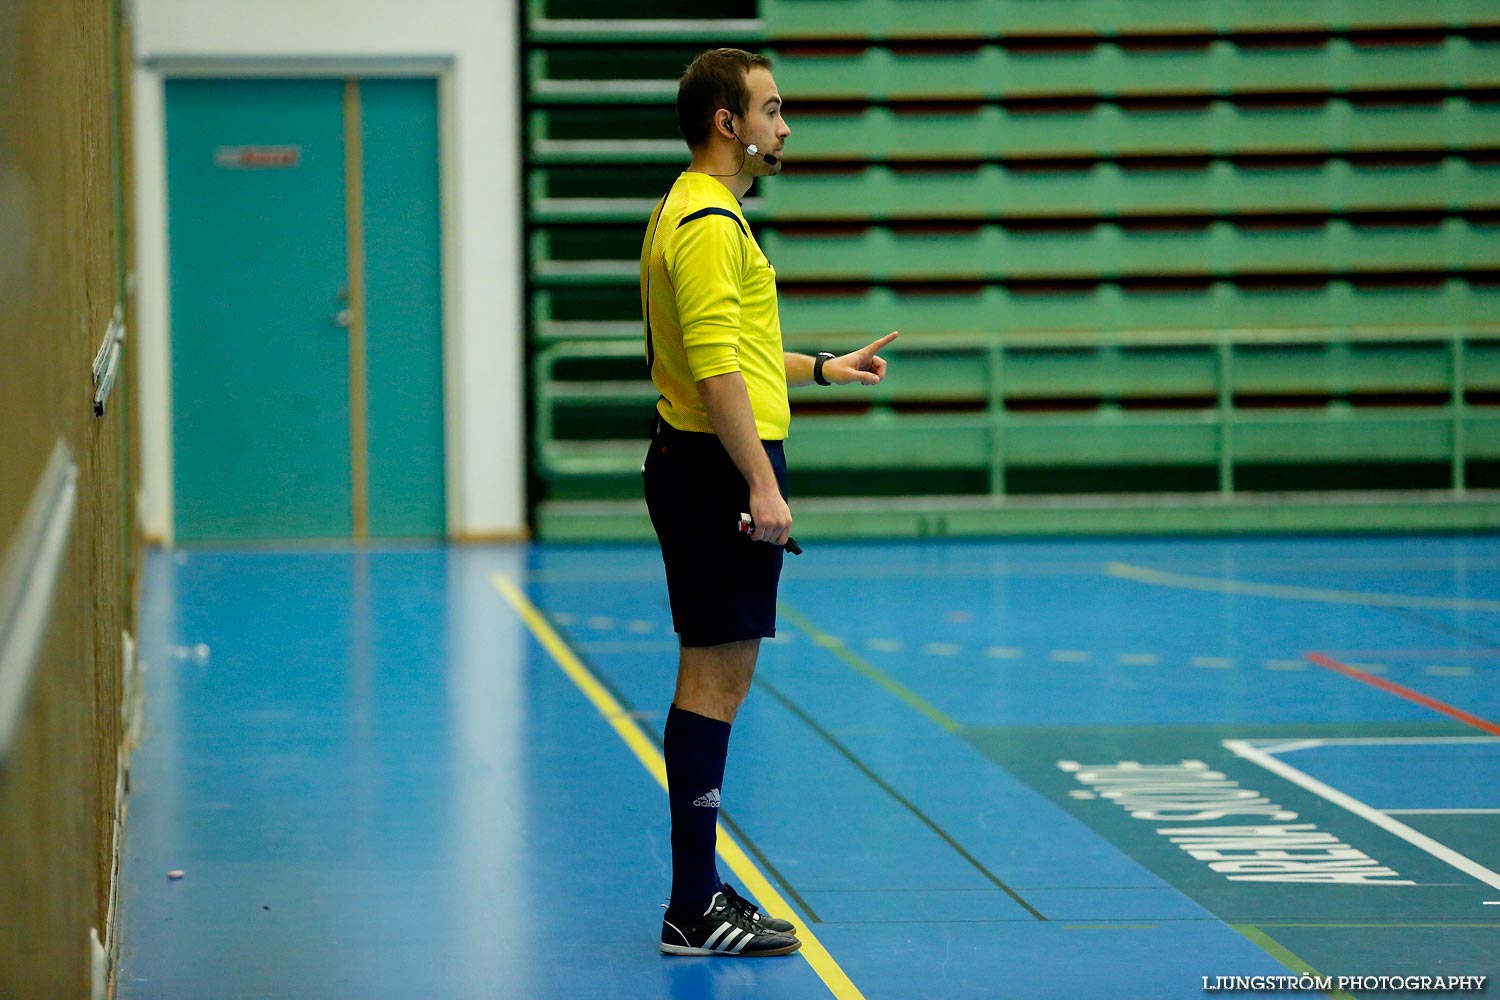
x=818 y=367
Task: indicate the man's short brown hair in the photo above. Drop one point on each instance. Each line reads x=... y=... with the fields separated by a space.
x=716 y=79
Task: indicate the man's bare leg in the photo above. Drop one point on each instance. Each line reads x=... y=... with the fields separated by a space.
x=714 y=680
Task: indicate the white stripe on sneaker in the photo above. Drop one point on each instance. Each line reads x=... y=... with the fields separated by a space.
x=712 y=944
x=743 y=941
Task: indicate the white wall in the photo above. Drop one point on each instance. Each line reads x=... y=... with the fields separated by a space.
x=472 y=45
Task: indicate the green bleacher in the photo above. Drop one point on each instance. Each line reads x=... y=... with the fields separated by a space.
x=1159 y=265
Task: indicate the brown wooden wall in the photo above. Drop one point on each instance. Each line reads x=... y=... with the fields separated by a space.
x=64 y=66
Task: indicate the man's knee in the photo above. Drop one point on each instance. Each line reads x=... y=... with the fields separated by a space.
x=716 y=679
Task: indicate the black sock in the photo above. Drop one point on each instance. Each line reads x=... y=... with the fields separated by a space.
x=694 y=747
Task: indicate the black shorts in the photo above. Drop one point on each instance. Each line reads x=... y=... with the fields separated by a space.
x=722 y=585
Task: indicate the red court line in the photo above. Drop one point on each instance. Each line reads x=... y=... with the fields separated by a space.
x=1404 y=692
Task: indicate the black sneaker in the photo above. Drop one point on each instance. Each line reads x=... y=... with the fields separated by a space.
x=724 y=929
x=752 y=911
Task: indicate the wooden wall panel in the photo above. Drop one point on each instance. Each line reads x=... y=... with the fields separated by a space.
x=61 y=224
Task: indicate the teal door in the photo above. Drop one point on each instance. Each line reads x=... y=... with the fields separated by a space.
x=306 y=310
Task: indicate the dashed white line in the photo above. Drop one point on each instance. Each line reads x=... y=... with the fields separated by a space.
x=1068 y=656
x=885 y=645
x=942 y=649
x=1371 y=668
x=601 y=622
x=641 y=627
x=627 y=646
x=564 y=617
x=1139 y=659
x=1212 y=662
x=1004 y=653
x=1439 y=670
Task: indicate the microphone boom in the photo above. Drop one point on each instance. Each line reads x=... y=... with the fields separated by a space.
x=753 y=150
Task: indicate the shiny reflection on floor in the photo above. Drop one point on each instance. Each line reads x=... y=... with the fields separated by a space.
x=376 y=786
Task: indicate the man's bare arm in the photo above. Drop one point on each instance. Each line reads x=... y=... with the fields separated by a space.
x=728 y=404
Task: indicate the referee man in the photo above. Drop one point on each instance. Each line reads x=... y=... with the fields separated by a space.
x=713 y=341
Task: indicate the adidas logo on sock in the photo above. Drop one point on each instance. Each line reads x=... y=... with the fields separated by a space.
x=709 y=801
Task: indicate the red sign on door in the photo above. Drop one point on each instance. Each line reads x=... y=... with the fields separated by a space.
x=257 y=157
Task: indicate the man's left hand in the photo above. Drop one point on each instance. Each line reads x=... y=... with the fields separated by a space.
x=863 y=365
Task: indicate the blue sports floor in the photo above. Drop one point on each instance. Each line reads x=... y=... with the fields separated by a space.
x=1030 y=769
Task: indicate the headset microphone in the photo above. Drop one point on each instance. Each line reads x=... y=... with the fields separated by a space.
x=751 y=148
x=764 y=156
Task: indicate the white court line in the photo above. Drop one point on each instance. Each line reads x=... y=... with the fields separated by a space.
x=1249 y=588
x=1441 y=812
x=1291 y=746
x=1444 y=853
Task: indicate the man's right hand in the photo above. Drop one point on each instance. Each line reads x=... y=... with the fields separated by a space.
x=728 y=404
x=772 y=516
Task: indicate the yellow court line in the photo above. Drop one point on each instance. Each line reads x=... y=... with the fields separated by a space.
x=1278 y=951
x=629 y=730
x=1221 y=585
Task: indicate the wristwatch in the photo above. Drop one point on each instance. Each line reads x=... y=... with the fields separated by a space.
x=818 y=367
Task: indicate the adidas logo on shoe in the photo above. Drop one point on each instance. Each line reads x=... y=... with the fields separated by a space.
x=725 y=929
x=709 y=801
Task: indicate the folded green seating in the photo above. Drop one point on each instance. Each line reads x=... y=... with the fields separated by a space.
x=918 y=19
x=1172 y=246
x=1100 y=251
x=1098 y=131
x=1109 y=69
x=1108 y=189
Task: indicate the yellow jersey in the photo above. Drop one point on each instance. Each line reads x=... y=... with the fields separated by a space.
x=708 y=297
